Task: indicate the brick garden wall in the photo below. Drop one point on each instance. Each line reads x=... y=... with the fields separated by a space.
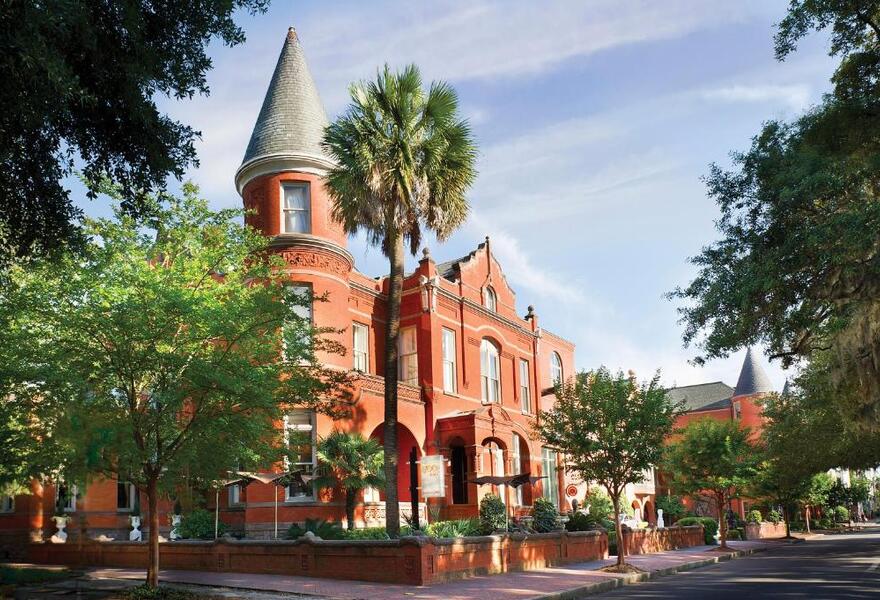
x=764 y=530
x=414 y=561
x=647 y=541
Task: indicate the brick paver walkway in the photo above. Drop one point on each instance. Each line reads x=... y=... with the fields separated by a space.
x=508 y=586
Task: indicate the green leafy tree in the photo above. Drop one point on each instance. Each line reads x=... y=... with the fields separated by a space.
x=156 y=352
x=797 y=264
x=672 y=506
x=611 y=429
x=816 y=495
x=352 y=463
x=81 y=81
x=712 y=457
x=779 y=485
x=405 y=160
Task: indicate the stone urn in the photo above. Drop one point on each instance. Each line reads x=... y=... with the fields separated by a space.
x=135 y=535
x=175 y=523
x=60 y=536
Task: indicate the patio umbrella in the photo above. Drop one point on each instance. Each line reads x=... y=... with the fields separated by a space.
x=278 y=480
x=511 y=480
x=218 y=485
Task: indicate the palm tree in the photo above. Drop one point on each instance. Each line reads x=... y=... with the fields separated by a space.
x=351 y=462
x=404 y=161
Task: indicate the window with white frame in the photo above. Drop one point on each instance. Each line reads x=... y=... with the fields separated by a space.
x=7 y=504
x=449 y=374
x=490 y=372
x=234 y=494
x=490 y=300
x=66 y=497
x=525 y=394
x=360 y=345
x=126 y=495
x=408 y=361
x=295 y=208
x=299 y=427
x=300 y=309
x=551 y=482
x=555 y=368
x=516 y=467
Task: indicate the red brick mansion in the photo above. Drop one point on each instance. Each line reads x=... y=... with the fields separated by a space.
x=474 y=368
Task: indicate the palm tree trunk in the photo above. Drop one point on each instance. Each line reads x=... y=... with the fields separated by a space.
x=153 y=545
x=350 y=496
x=392 y=331
x=807 y=517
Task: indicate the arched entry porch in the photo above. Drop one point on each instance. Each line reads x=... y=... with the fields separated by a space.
x=406 y=441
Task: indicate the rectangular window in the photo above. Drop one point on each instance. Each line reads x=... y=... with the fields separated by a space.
x=7 y=504
x=301 y=311
x=551 y=483
x=408 y=363
x=525 y=399
x=449 y=375
x=66 y=497
x=295 y=205
x=299 y=427
x=360 y=344
x=234 y=495
x=126 y=495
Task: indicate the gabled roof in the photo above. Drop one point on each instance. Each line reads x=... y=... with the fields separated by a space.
x=752 y=378
x=451 y=268
x=292 y=119
x=702 y=396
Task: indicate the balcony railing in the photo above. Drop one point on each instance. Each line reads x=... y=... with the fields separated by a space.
x=374 y=384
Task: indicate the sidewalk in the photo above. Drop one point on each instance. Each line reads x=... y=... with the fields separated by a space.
x=554 y=583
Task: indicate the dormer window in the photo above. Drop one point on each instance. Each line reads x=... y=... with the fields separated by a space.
x=490 y=300
x=295 y=208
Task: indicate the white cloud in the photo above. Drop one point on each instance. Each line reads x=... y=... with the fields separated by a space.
x=795 y=96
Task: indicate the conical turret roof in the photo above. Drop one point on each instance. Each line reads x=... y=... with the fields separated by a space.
x=292 y=119
x=752 y=378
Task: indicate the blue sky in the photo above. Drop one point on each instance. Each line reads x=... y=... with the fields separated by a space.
x=595 y=121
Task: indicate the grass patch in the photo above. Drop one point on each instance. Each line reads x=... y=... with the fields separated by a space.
x=10 y=575
x=142 y=592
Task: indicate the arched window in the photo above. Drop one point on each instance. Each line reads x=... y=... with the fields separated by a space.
x=555 y=368
x=490 y=300
x=490 y=372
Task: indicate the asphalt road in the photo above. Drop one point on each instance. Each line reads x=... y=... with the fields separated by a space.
x=829 y=567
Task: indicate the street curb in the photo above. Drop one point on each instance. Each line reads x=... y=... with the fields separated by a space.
x=617 y=582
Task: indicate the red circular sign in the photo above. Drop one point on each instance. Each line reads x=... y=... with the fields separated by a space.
x=571 y=490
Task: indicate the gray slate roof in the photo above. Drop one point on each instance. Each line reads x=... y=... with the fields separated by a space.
x=752 y=378
x=450 y=268
x=292 y=118
x=703 y=396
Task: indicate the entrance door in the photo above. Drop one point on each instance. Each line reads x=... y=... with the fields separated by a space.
x=459 y=475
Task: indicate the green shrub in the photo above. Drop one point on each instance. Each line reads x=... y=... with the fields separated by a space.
x=199 y=525
x=546 y=517
x=454 y=529
x=840 y=514
x=710 y=526
x=774 y=516
x=672 y=507
x=736 y=534
x=598 y=504
x=142 y=592
x=367 y=533
x=326 y=530
x=579 y=521
x=493 y=515
x=755 y=516
x=822 y=523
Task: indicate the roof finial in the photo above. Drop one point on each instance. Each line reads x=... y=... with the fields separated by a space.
x=426 y=253
x=291 y=32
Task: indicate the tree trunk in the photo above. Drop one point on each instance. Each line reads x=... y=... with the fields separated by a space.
x=350 y=497
x=153 y=546
x=785 y=517
x=621 y=549
x=722 y=522
x=807 y=517
x=392 y=331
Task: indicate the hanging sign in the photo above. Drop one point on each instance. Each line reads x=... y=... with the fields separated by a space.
x=571 y=491
x=433 y=476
